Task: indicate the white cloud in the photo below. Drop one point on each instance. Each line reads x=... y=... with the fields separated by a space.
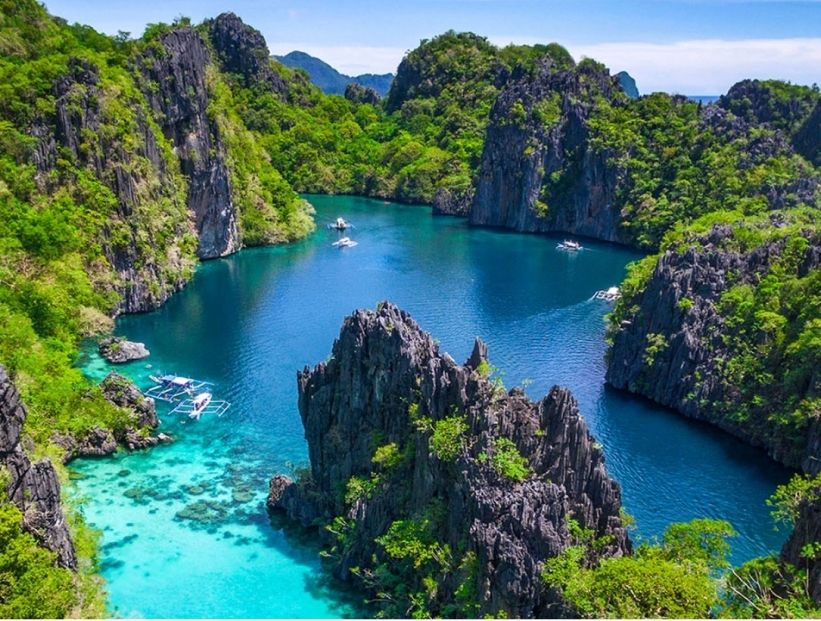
x=709 y=66
x=348 y=59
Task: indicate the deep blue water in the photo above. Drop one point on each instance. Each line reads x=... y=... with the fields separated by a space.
x=250 y=321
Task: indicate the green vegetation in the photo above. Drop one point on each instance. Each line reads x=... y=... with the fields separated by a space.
x=411 y=562
x=768 y=588
x=448 y=437
x=679 y=167
x=671 y=579
x=32 y=585
x=508 y=462
x=65 y=229
x=686 y=574
x=771 y=336
x=428 y=135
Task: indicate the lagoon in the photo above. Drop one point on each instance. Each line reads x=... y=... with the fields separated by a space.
x=185 y=530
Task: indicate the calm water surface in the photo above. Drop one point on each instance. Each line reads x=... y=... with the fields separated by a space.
x=185 y=531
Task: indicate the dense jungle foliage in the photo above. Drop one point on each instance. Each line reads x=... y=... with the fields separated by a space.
x=63 y=228
x=686 y=574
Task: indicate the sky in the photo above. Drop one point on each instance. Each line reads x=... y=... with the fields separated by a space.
x=694 y=47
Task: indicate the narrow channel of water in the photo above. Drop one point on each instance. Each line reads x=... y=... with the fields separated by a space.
x=185 y=531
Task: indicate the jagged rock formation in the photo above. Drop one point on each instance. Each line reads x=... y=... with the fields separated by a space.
x=99 y=442
x=807 y=530
x=117 y=350
x=145 y=278
x=177 y=91
x=33 y=487
x=241 y=49
x=759 y=102
x=538 y=130
x=672 y=344
x=807 y=140
x=388 y=390
x=360 y=94
x=453 y=202
x=628 y=84
x=793 y=109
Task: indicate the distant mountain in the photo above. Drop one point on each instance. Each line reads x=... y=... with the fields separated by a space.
x=704 y=99
x=329 y=79
x=628 y=84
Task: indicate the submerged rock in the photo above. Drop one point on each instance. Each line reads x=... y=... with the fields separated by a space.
x=398 y=431
x=116 y=350
x=33 y=487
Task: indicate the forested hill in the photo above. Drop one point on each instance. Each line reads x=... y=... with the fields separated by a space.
x=331 y=81
x=124 y=162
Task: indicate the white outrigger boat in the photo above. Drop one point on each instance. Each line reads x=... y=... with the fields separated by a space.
x=172 y=388
x=340 y=224
x=569 y=244
x=610 y=294
x=345 y=242
x=203 y=403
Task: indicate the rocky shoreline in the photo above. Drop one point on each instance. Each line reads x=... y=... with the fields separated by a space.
x=134 y=435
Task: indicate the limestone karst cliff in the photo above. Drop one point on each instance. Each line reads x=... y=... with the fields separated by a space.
x=806 y=532
x=32 y=486
x=540 y=171
x=720 y=329
x=174 y=73
x=400 y=435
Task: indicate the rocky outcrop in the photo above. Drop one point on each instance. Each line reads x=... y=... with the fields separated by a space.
x=763 y=102
x=628 y=84
x=242 y=50
x=99 y=442
x=539 y=171
x=429 y=439
x=672 y=347
x=148 y=271
x=33 y=487
x=453 y=202
x=806 y=531
x=807 y=140
x=122 y=392
x=175 y=85
x=360 y=94
x=117 y=350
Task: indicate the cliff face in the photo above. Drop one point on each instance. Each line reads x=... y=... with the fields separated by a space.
x=138 y=176
x=807 y=530
x=33 y=487
x=430 y=440
x=539 y=171
x=675 y=343
x=807 y=140
x=178 y=93
x=241 y=49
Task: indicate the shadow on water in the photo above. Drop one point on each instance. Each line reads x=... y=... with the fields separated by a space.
x=350 y=601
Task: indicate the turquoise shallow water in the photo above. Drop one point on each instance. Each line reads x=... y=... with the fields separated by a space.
x=250 y=321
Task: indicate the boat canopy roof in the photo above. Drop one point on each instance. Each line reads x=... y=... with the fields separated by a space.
x=176 y=380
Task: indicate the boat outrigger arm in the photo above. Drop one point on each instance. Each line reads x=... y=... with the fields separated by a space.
x=194 y=409
x=172 y=388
